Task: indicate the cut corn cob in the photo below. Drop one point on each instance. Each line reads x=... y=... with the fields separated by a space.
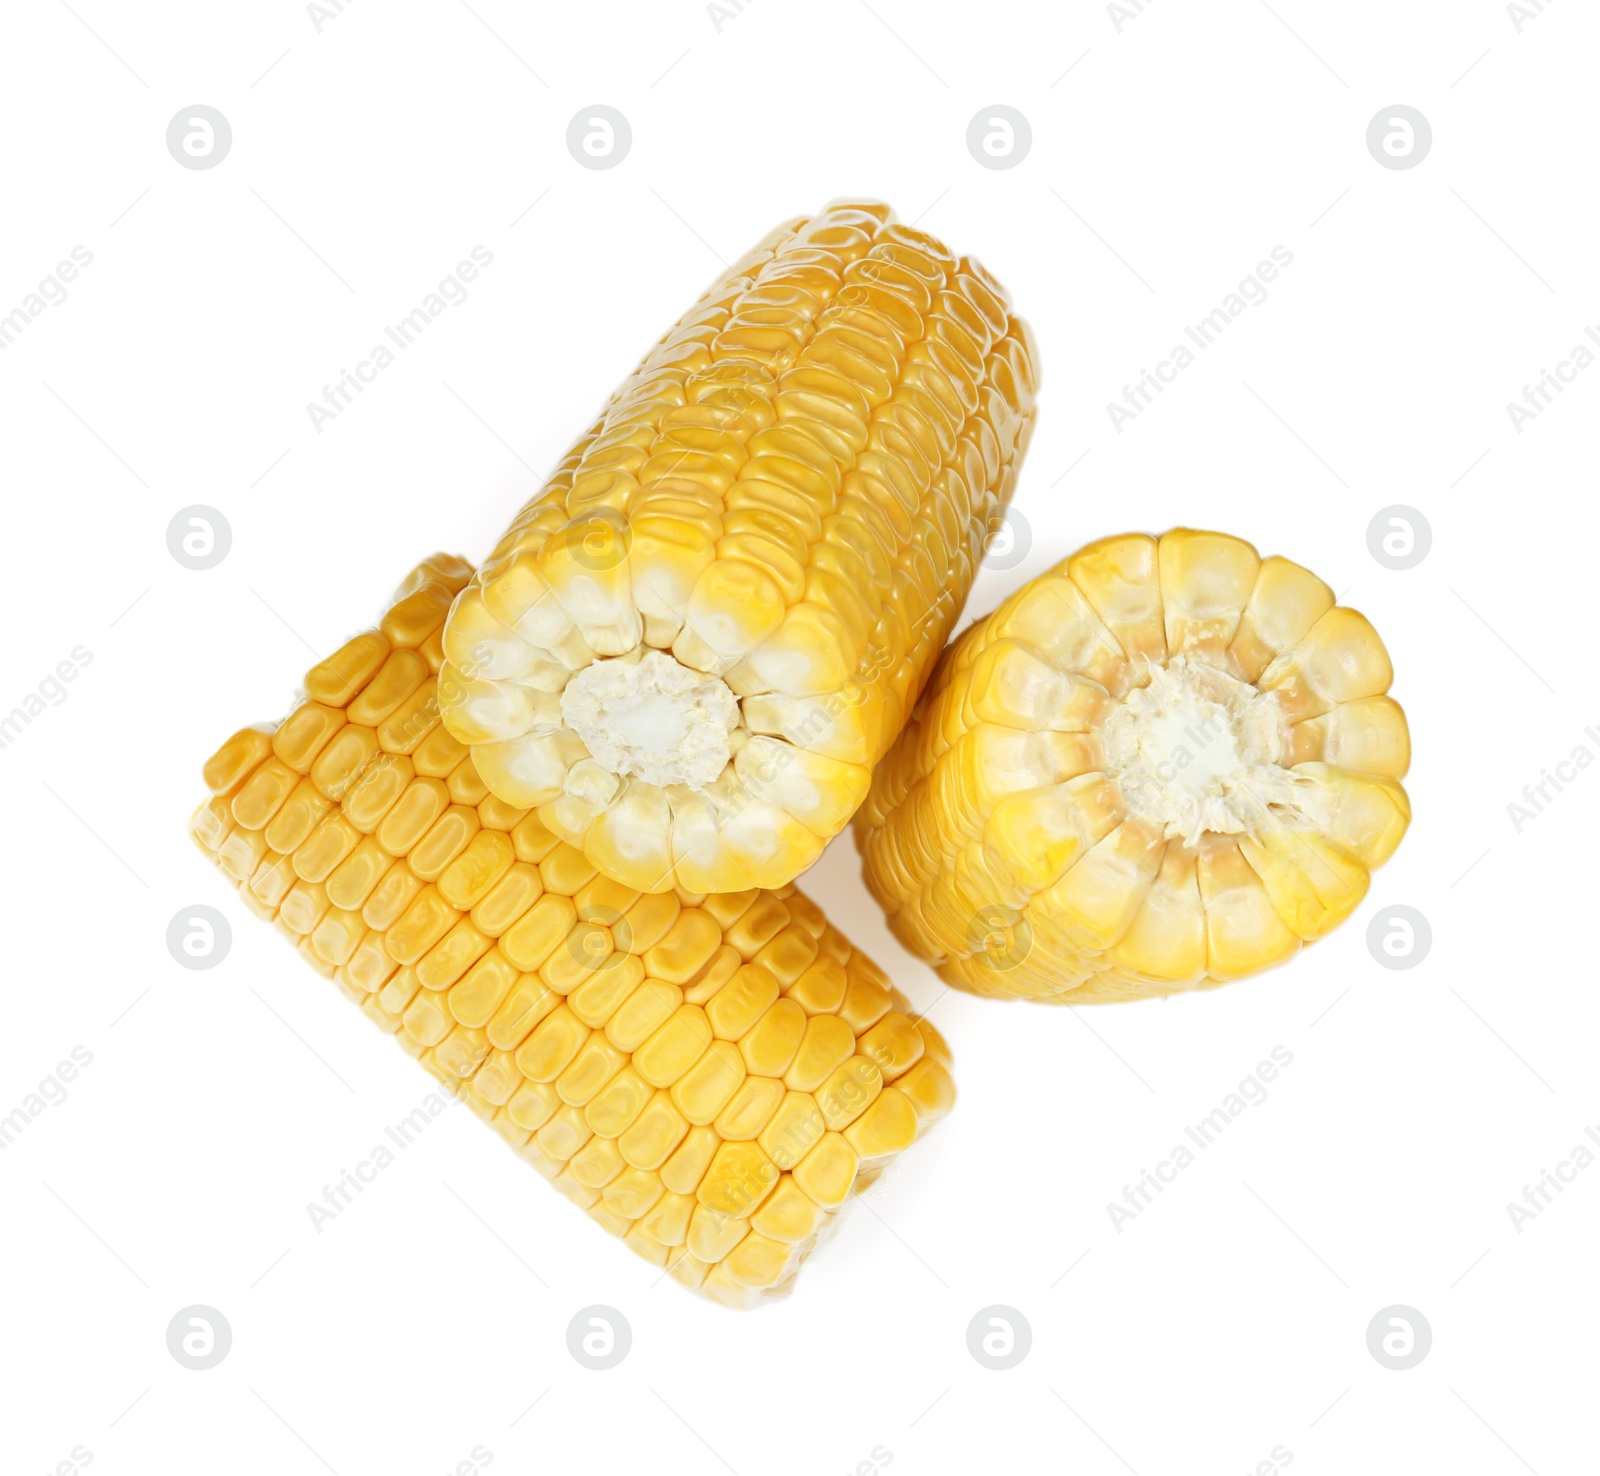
x=709 y=1077
x=1162 y=765
x=689 y=650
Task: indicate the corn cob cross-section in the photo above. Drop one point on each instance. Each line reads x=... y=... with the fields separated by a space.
x=1162 y=765
x=689 y=650
x=709 y=1077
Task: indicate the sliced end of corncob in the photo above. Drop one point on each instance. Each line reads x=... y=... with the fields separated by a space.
x=690 y=648
x=1164 y=764
x=710 y=1077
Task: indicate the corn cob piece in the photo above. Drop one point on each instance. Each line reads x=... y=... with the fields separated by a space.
x=689 y=650
x=1162 y=765
x=709 y=1077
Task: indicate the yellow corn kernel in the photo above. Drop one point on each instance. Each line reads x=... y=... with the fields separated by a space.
x=632 y=1194
x=757 y=1261
x=399 y=676
x=617 y=1105
x=594 y=1065
x=423 y=924
x=598 y=998
x=712 y=1234
x=929 y=1089
x=682 y=1172
x=740 y=1177
x=642 y=1014
x=828 y=1172
x=668 y=1223
x=516 y=891
x=353 y=880
x=530 y=1001
x=237 y=759
x=647 y=1142
x=893 y=1045
x=370 y=965
x=597 y=1163
x=446 y=839
x=552 y=1046
x=481 y=990
x=689 y=944
x=639 y=1050
x=243 y=850
x=1165 y=764
x=412 y=815
x=675 y=1047
x=828 y=1042
x=749 y=1109
x=336 y=681
x=793 y=1130
x=317 y=856
x=536 y=935
x=705 y=1088
x=887 y=1127
x=471 y=875
x=820 y=988
x=775 y=1039
x=734 y=1008
x=789 y=1215
x=264 y=794
x=848 y=1092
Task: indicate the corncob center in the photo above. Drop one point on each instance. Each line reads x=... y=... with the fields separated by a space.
x=648 y=714
x=1196 y=751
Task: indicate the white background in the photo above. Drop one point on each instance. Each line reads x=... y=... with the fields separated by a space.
x=1168 y=158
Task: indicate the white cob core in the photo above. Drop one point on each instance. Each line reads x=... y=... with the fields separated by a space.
x=1196 y=750
x=651 y=716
